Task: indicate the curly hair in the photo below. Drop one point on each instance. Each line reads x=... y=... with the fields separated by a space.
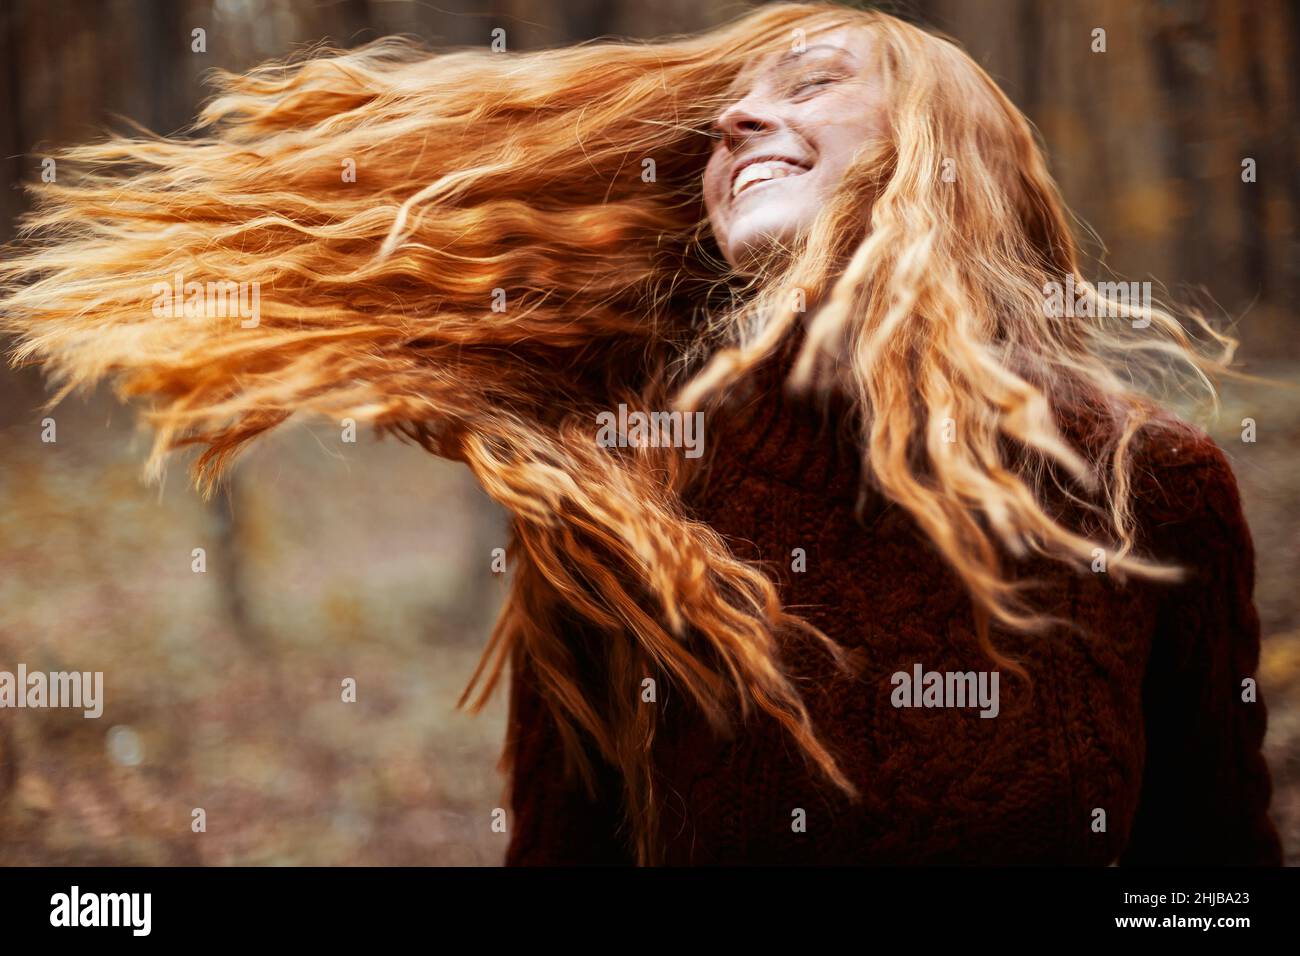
x=466 y=249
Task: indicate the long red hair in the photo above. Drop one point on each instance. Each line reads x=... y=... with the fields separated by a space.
x=523 y=246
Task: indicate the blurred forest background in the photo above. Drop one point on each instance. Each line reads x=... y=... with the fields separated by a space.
x=372 y=562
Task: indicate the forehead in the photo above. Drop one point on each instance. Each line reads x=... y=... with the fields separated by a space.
x=847 y=46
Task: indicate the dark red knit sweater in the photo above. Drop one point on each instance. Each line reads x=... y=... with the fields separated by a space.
x=1140 y=715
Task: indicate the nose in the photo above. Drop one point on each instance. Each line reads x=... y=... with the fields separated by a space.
x=742 y=121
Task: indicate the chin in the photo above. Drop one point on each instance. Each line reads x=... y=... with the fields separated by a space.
x=757 y=242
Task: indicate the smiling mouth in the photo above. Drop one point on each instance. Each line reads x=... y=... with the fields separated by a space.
x=760 y=171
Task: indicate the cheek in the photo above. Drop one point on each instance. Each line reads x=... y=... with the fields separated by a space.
x=713 y=187
x=841 y=145
x=838 y=141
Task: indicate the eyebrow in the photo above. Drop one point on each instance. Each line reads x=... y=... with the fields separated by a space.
x=786 y=58
x=791 y=55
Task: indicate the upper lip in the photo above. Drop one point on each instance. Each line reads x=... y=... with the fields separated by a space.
x=763 y=158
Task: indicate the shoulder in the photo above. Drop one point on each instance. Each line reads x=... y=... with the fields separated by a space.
x=1178 y=472
x=1175 y=471
x=1167 y=442
x=1185 y=497
x=1180 y=481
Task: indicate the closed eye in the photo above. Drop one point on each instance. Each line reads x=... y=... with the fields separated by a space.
x=811 y=84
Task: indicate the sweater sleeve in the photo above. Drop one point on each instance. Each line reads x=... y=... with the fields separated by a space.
x=1206 y=786
x=555 y=821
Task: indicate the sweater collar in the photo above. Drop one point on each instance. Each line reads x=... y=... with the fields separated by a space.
x=763 y=427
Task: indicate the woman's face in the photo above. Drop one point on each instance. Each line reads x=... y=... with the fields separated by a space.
x=784 y=146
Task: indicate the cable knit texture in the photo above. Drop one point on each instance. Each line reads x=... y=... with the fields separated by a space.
x=1138 y=713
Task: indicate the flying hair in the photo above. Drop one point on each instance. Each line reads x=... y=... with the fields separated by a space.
x=500 y=272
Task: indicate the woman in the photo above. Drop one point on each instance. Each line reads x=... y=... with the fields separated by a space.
x=962 y=592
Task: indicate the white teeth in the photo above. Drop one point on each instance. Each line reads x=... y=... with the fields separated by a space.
x=757 y=172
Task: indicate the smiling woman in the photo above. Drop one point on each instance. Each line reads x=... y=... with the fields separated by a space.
x=796 y=127
x=970 y=483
